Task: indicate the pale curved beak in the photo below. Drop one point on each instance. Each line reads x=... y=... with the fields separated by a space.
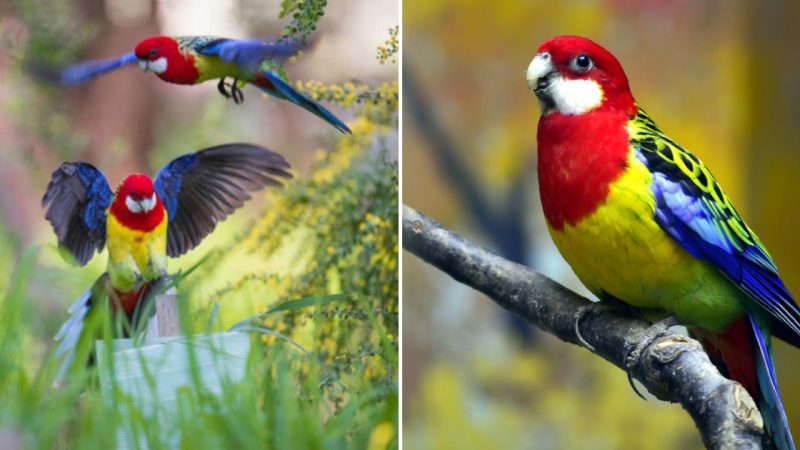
x=540 y=72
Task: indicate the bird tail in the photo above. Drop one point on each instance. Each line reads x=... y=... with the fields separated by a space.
x=744 y=354
x=273 y=85
x=77 y=335
x=775 y=422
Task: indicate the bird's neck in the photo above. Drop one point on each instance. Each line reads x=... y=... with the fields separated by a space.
x=181 y=69
x=579 y=157
x=143 y=221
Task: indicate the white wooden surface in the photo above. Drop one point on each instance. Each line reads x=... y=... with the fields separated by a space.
x=152 y=373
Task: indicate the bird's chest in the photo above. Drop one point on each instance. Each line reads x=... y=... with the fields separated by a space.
x=211 y=68
x=620 y=250
x=617 y=247
x=137 y=246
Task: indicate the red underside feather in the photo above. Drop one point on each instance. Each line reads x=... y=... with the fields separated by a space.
x=127 y=301
x=734 y=349
x=264 y=82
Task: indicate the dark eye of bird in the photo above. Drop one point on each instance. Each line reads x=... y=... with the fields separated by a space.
x=152 y=52
x=582 y=63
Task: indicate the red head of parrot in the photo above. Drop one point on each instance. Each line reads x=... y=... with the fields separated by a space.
x=136 y=204
x=162 y=56
x=583 y=144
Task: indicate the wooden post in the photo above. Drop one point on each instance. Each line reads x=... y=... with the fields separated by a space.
x=166 y=321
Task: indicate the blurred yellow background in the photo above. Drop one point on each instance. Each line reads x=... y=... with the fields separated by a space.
x=721 y=78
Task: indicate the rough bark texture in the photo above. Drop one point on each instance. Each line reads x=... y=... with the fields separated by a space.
x=672 y=367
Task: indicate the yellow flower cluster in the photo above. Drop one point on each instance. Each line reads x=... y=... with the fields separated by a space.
x=331 y=231
x=391 y=47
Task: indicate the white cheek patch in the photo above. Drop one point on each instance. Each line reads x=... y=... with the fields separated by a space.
x=150 y=203
x=573 y=97
x=157 y=66
x=141 y=206
x=132 y=205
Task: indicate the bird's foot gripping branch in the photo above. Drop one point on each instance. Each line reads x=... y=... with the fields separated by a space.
x=672 y=367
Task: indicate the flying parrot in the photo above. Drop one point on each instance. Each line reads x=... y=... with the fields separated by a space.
x=145 y=220
x=192 y=60
x=640 y=219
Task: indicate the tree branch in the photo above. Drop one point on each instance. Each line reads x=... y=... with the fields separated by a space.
x=672 y=367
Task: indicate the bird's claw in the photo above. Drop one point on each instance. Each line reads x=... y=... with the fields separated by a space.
x=235 y=91
x=140 y=280
x=656 y=331
x=221 y=88
x=582 y=312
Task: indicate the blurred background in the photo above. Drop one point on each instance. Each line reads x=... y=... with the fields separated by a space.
x=718 y=77
x=333 y=229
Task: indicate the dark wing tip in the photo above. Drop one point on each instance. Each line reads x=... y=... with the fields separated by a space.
x=70 y=197
x=219 y=182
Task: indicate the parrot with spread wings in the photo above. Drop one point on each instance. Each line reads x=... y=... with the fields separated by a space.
x=640 y=219
x=190 y=60
x=144 y=221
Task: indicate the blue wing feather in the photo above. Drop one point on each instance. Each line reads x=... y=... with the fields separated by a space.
x=692 y=209
x=76 y=200
x=248 y=54
x=201 y=189
x=81 y=72
x=98 y=197
x=168 y=181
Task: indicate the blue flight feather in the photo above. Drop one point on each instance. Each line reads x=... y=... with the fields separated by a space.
x=248 y=54
x=692 y=221
x=81 y=72
x=98 y=196
x=286 y=92
x=775 y=421
x=169 y=179
x=687 y=210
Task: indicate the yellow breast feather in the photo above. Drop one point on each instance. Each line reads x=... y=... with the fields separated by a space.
x=134 y=254
x=621 y=251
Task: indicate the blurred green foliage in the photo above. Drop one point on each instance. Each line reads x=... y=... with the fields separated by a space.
x=391 y=47
x=305 y=15
x=335 y=231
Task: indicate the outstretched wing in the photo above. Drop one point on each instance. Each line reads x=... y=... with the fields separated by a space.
x=76 y=201
x=692 y=208
x=203 y=188
x=85 y=71
x=247 y=54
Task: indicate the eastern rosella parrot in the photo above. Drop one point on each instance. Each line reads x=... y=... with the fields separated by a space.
x=194 y=59
x=640 y=219
x=145 y=220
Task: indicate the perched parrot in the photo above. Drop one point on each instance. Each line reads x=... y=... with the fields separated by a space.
x=640 y=219
x=195 y=59
x=145 y=220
